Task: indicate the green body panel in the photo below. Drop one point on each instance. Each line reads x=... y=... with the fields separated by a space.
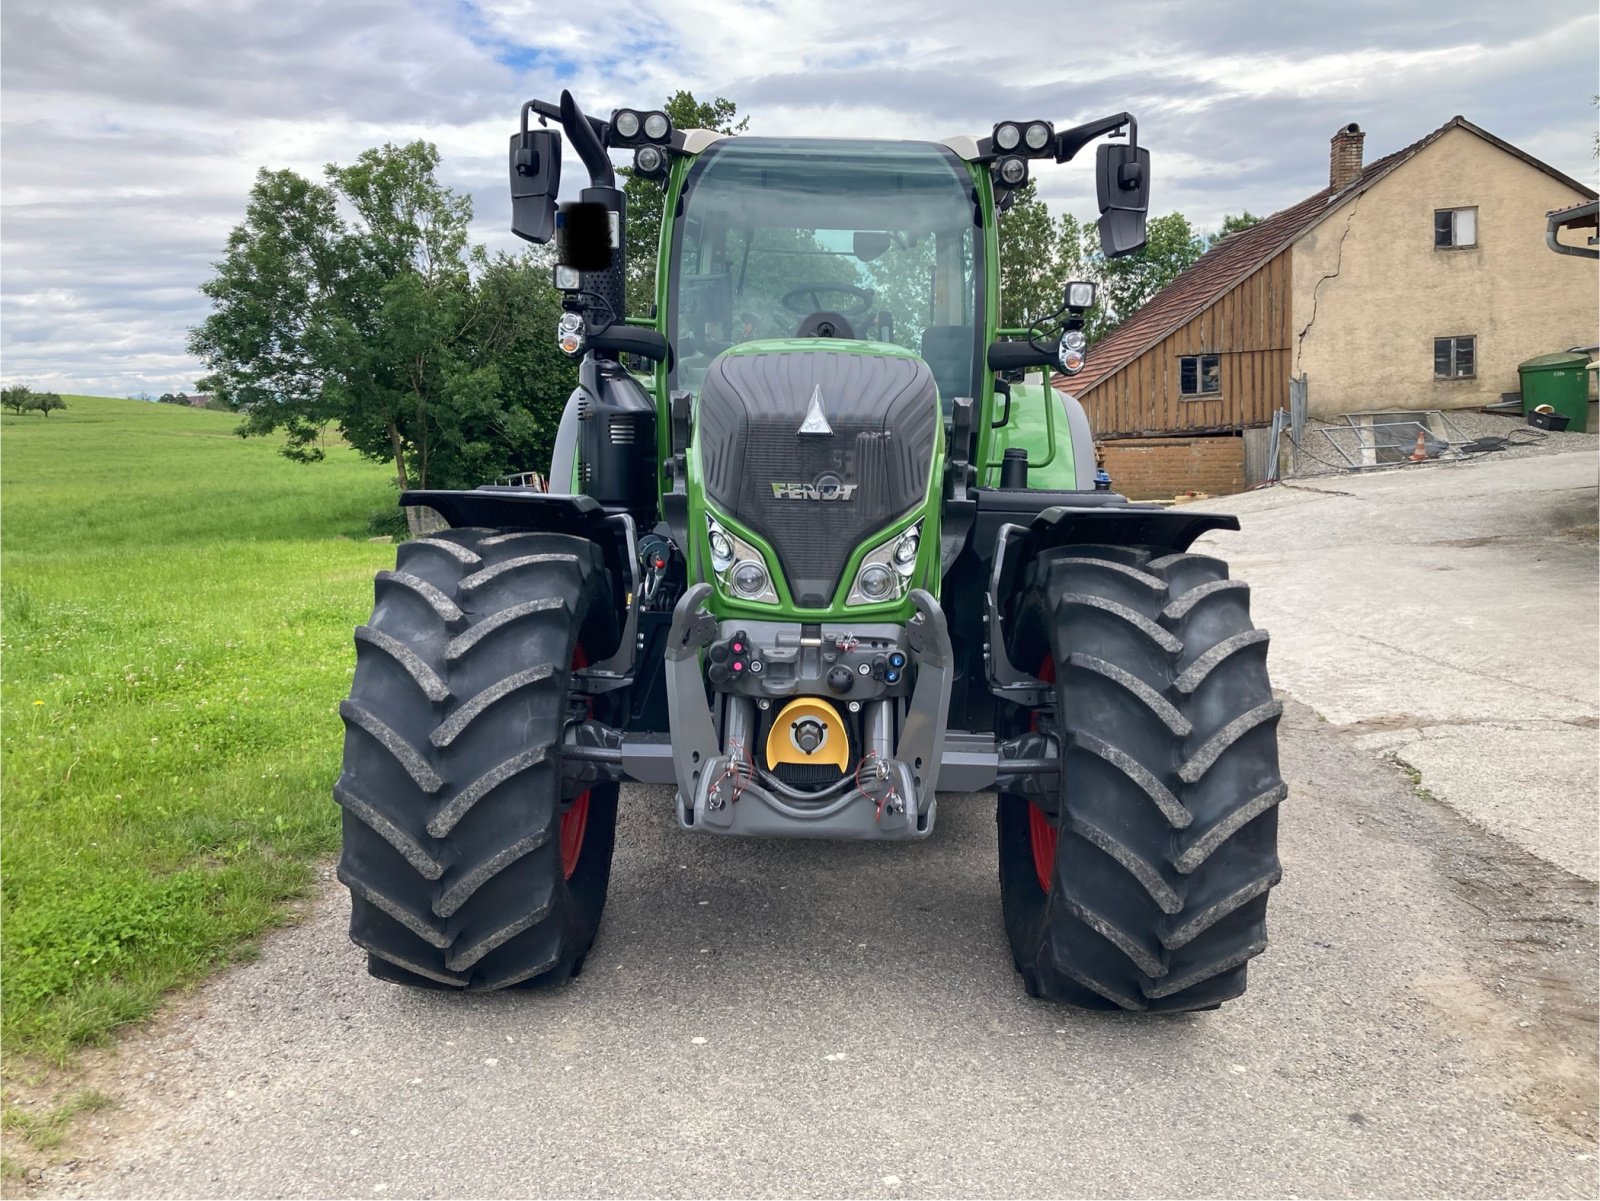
x=1038 y=425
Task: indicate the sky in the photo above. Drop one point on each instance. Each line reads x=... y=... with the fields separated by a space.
x=131 y=130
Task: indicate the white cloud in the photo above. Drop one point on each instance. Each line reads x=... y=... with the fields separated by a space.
x=132 y=132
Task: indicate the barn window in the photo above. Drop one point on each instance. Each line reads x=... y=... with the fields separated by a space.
x=1455 y=228
x=1200 y=375
x=1455 y=358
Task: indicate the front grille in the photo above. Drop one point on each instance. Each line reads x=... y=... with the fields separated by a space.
x=884 y=412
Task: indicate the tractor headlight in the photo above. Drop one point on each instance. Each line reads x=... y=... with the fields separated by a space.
x=739 y=568
x=875 y=582
x=1007 y=136
x=1038 y=135
x=905 y=551
x=1071 y=360
x=568 y=279
x=570 y=334
x=626 y=122
x=1073 y=339
x=657 y=126
x=1080 y=295
x=750 y=579
x=886 y=570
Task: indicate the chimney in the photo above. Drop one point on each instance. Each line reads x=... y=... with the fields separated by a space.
x=1344 y=156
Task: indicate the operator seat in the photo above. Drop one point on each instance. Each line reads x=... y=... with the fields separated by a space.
x=947 y=349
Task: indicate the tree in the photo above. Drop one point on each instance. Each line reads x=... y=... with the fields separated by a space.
x=645 y=196
x=367 y=322
x=1232 y=224
x=45 y=403
x=1038 y=255
x=1171 y=247
x=18 y=398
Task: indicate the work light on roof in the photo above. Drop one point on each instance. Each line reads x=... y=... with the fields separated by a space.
x=1007 y=136
x=1013 y=171
x=1038 y=135
x=649 y=161
x=657 y=126
x=625 y=122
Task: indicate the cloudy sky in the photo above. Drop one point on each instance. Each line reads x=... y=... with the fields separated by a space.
x=132 y=128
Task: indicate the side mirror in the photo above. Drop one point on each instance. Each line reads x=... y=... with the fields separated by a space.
x=535 y=179
x=1122 y=180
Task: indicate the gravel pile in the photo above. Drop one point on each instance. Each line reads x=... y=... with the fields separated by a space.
x=1318 y=457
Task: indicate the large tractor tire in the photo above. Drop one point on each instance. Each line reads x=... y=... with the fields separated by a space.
x=466 y=867
x=1145 y=886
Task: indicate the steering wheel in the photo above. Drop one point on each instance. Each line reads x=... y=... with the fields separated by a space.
x=806 y=299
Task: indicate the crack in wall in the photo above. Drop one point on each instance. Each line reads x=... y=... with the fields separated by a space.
x=1316 y=291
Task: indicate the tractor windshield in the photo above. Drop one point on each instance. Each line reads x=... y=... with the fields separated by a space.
x=786 y=237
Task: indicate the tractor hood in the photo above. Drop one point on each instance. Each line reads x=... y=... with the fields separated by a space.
x=816 y=445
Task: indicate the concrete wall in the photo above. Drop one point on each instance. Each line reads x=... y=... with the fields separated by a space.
x=1159 y=468
x=1369 y=344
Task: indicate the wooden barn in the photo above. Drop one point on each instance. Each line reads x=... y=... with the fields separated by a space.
x=1416 y=282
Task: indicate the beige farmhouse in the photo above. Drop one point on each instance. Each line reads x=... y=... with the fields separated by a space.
x=1418 y=281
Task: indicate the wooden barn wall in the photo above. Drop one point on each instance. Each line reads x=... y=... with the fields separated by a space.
x=1249 y=326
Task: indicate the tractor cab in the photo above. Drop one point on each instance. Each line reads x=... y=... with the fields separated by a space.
x=851 y=243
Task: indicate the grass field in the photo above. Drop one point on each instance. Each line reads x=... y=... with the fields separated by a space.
x=175 y=629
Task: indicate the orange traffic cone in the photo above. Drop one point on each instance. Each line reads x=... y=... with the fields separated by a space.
x=1421 y=451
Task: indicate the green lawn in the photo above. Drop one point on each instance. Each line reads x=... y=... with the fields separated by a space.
x=177 y=608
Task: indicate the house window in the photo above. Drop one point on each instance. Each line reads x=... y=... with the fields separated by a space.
x=1200 y=375
x=1454 y=228
x=1455 y=358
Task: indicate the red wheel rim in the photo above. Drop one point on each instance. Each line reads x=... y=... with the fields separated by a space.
x=1041 y=831
x=575 y=821
x=573 y=824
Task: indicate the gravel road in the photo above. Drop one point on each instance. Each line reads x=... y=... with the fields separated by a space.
x=812 y=1019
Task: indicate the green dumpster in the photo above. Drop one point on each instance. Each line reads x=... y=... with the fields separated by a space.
x=1560 y=381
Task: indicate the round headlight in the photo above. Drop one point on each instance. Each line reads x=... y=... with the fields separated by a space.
x=749 y=579
x=1038 y=134
x=1007 y=136
x=1073 y=339
x=905 y=551
x=649 y=160
x=1013 y=170
x=656 y=126
x=1072 y=361
x=875 y=581
x=626 y=123
x=721 y=550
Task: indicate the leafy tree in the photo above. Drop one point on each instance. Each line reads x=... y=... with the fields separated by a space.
x=167 y=398
x=18 y=398
x=1233 y=223
x=645 y=196
x=370 y=322
x=1126 y=283
x=1038 y=255
x=45 y=402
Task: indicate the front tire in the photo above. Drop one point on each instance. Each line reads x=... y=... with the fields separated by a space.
x=466 y=866
x=1144 y=885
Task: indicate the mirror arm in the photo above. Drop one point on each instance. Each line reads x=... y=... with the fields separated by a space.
x=545 y=109
x=1070 y=141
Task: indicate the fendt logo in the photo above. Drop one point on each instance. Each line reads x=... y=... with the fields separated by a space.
x=826 y=487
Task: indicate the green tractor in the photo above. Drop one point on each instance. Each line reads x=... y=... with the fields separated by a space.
x=819 y=545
